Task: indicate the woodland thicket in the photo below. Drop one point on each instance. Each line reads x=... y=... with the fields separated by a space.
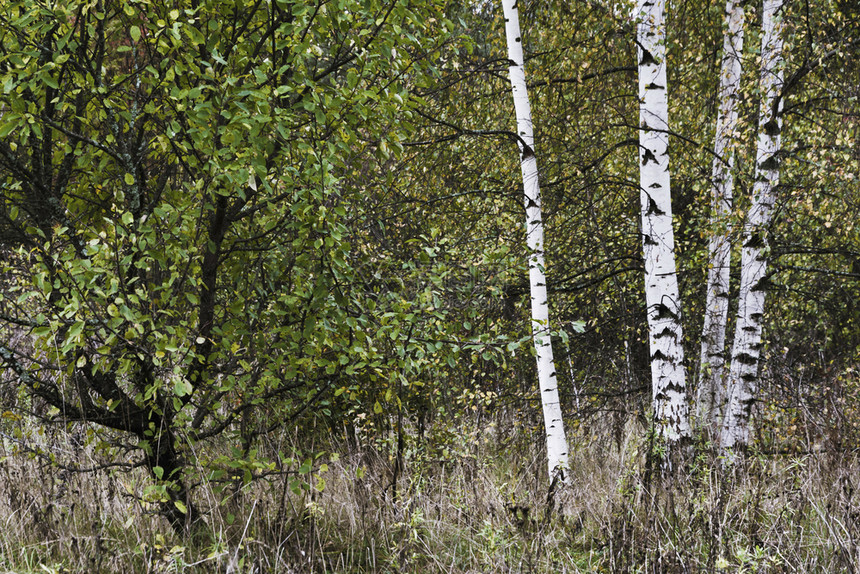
x=265 y=302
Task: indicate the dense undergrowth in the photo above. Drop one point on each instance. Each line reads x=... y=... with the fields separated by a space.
x=482 y=505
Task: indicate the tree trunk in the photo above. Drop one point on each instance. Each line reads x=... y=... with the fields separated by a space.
x=711 y=395
x=556 y=442
x=178 y=507
x=746 y=354
x=669 y=390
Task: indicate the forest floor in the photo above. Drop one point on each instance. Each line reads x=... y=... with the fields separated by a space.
x=481 y=503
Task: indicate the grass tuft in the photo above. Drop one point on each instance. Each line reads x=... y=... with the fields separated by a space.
x=481 y=507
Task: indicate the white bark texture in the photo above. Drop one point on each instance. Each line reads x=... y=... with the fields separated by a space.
x=746 y=353
x=556 y=442
x=671 y=410
x=711 y=393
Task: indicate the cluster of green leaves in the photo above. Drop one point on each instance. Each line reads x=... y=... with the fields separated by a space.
x=178 y=244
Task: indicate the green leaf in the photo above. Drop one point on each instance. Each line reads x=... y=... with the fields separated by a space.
x=182 y=387
x=296 y=486
x=12 y=122
x=135 y=33
x=75 y=330
x=194 y=35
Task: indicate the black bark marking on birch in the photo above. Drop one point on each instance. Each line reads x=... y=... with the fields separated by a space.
x=667 y=332
x=673 y=387
x=755 y=240
x=770 y=164
x=648 y=155
x=648 y=241
x=772 y=128
x=664 y=312
x=654 y=86
x=647 y=58
x=660 y=356
x=653 y=208
x=527 y=152
x=746 y=359
x=763 y=284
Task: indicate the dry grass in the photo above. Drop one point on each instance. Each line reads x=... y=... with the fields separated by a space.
x=480 y=508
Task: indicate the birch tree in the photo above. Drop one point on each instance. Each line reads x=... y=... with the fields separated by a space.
x=669 y=390
x=746 y=353
x=556 y=442
x=712 y=362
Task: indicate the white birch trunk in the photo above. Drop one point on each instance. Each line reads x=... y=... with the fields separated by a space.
x=668 y=381
x=556 y=442
x=746 y=354
x=711 y=393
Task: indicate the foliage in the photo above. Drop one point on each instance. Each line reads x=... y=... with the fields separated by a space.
x=177 y=239
x=239 y=236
